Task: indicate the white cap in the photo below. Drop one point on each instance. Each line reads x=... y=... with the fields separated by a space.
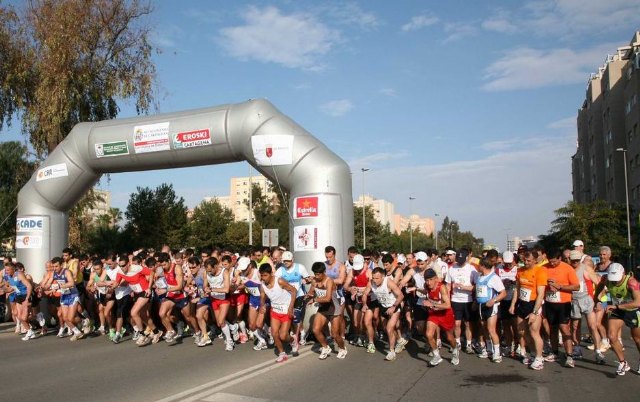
x=575 y=255
x=358 y=262
x=450 y=252
x=243 y=263
x=578 y=243
x=507 y=257
x=287 y=256
x=421 y=256
x=402 y=259
x=615 y=272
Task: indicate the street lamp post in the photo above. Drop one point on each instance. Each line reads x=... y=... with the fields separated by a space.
x=364 y=223
x=410 y=227
x=435 y=224
x=626 y=191
x=250 y=208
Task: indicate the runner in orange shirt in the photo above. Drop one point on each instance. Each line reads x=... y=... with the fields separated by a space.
x=561 y=282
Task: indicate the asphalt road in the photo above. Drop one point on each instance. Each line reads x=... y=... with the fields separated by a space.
x=94 y=369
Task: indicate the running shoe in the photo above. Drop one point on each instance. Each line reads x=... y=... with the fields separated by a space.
x=41 y=320
x=197 y=337
x=155 y=338
x=170 y=337
x=605 y=345
x=243 y=338
x=371 y=348
x=469 y=349
x=228 y=346
x=435 y=360
x=251 y=336
x=390 y=356
x=282 y=357
x=400 y=345
x=342 y=353
x=303 y=337
x=294 y=346
x=136 y=335
x=577 y=352
x=538 y=364
x=270 y=340
x=101 y=330
x=623 y=367
x=179 y=329
x=325 y=352
x=551 y=357
x=497 y=359
x=569 y=362
x=360 y=342
x=112 y=333
x=117 y=338
x=455 y=359
x=143 y=340
x=600 y=358
x=261 y=345
x=526 y=360
x=86 y=326
x=204 y=341
x=234 y=332
x=483 y=354
x=29 y=335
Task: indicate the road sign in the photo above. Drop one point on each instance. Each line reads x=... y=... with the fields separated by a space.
x=269 y=237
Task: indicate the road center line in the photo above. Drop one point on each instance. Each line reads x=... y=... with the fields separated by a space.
x=231 y=379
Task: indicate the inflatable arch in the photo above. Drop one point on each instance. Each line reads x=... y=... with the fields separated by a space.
x=319 y=182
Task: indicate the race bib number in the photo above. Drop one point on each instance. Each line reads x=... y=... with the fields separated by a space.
x=583 y=286
x=219 y=296
x=279 y=308
x=136 y=287
x=253 y=291
x=161 y=283
x=525 y=294
x=321 y=292
x=482 y=291
x=552 y=297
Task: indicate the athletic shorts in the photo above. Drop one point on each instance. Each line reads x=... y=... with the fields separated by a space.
x=179 y=303
x=631 y=318
x=420 y=313
x=299 y=306
x=69 y=299
x=373 y=304
x=384 y=311
x=462 y=311
x=557 y=313
x=280 y=317
x=82 y=290
x=34 y=299
x=103 y=298
x=503 y=310
x=443 y=319
x=328 y=309
x=139 y=295
x=254 y=301
x=123 y=307
x=581 y=306
x=524 y=309
x=216 y=303
x=237 y=299
x=19 y=299
x=487 y=312
x=206 y=301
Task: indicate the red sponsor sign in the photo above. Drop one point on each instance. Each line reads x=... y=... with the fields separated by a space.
x=306 y=207
x=191 y=139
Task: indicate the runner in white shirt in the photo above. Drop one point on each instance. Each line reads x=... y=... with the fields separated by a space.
x=508 y=326
x=460 y=280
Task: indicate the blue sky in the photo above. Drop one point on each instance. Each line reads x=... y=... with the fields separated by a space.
x=467 y=106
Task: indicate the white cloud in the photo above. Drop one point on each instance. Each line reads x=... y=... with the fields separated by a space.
x=337 y=107
x=296 y=40
x=456 y=31
x=372 y=159
x=499 y=24
x=420 y=21
x=487 y=194
x=526 y=68
x=568 y=123
x=576 y=17
x=389 y=92
x=351 y=14
x=500 y=145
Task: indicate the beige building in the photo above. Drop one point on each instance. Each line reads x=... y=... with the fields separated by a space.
x=423 y=225
x=383 y=211
x=608 y=131
x=238 y=197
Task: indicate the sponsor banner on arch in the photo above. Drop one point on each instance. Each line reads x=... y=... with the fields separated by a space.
x=151 y=138
x=30 y=224
x=305 y=238
x=28 y=241
x=190 y=139
x=52 y=172
x=306 y=207
x=272 y=149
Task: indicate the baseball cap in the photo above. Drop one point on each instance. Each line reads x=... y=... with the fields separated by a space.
x=523 y=247
x=243 y=263
x=461 y=257
x=577 y=243
x=507 y=257
x=429 y=273
x=575 y=255
x=358 y=262
x=402 y=259
x=287 y=256
x=421 y=256
x=615 y=272
x=450 y=252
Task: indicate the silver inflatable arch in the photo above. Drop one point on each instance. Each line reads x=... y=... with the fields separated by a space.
x=318 y=181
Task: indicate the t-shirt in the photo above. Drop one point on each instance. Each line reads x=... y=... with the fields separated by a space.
x=136 y=277
x=290 y=276
x=529 y=280
x=494 y=283
x=563 y=274
x=465 y=275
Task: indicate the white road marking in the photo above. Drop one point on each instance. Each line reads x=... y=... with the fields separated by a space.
x=215 y=386
x=224 y=397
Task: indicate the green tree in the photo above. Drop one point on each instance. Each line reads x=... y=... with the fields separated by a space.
x=450 y=236
x=374 y=230
x=70 y=61
x=271 y=213
x=156 y=217
x=208 y=224
x=596 y=224
x=237 y=235
x=15 y=171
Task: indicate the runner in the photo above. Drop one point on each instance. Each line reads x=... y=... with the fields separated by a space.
x=101 y=294
x=251 y=280
x=623 y=310
x=507 y=271
x=19 y=289
x=171 y=288
x=63 y=281
x=605 y=298
x=338 y=273
x=122 y=293
x=489 y=292
x=460 y=280
x=390 y=298
x=218 y=285
x=282 y=298
x=357 y=280
x=440 y=316
x=561 y=283
x=201 y=300
x=324 y=292
x=296 y=275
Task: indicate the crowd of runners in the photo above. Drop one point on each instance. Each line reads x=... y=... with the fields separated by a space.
x=526 y=305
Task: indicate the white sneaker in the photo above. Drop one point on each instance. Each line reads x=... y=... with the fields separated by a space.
x=203 y=341
x=234 y=332
x=435 y=360
x=303 y=337
x=41 y=320
x=76 y=336
x=29 y=335
x=342 y=353
x=61 y=332
x=455 y=360
x=325 y=352
x=623 y=367
x=400 y=345
x=228 y=346
x=390 y=356
x=179 y=329
x=261 y=345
